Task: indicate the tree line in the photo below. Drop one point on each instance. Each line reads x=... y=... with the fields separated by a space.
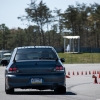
x=47 y=27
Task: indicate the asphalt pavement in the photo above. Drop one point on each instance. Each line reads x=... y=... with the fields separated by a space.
x=80 y=85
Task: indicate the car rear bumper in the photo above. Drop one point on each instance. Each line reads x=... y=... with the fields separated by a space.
x=48 y=82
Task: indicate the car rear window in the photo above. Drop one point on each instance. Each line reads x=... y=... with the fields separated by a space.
x=35 y=53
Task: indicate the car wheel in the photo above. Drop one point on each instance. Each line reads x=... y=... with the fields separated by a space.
x=9 y=91
x=60 y=90
x=63 y=90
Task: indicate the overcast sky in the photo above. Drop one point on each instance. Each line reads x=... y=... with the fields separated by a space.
x=11 y=9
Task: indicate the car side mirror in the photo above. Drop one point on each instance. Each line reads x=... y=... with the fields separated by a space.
x=62 y=60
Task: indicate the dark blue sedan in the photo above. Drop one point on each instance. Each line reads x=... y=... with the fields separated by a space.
x=35 y=67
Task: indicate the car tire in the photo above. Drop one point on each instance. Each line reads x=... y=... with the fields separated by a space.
x=9 y=91
x=63 y=90
x=60 y=90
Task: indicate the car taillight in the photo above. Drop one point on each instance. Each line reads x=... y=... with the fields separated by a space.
x=13 y=69
x=59 y=68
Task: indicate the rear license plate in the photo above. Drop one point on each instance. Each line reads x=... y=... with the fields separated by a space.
x=36 y=80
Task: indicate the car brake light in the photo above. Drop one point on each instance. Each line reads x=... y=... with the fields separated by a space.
x=13 y=69
x=59 y=68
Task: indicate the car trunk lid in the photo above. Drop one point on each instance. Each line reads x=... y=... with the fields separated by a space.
x=36 y=67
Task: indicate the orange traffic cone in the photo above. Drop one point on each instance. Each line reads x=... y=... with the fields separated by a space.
x=68 y=73
x=82 y=73
x=95 y=80
x=99 y=74
x=86 y=73
x=93 y=72
x=93 y=76
x=67 y=76
x=89 y=72
x=73 y=73
x=77 y=73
